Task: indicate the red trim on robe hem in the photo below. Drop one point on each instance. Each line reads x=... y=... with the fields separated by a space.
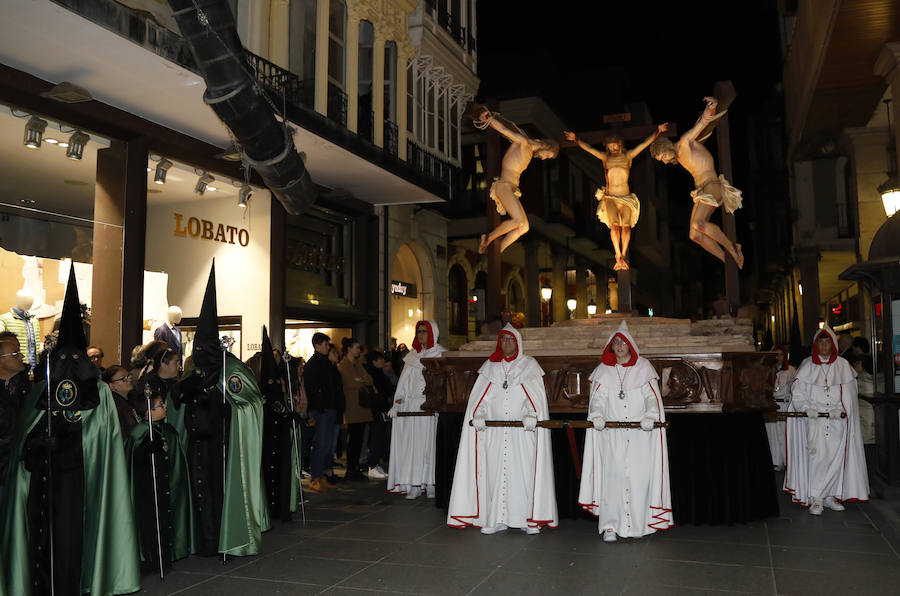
x=461 y=518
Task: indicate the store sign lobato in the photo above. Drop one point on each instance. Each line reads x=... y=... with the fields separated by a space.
x=208 y=230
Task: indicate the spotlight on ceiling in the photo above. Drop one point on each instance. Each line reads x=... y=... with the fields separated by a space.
x=34 y=132
x=161 y=168
x=77 y=141
x=203 y=183
x=245 y=195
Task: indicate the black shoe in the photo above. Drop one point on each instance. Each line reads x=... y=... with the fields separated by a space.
x=357 y=476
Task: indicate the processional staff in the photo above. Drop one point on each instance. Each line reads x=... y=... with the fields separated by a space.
x=568 y=424
x=226 y=343
x=147 y=392
x=296 y=439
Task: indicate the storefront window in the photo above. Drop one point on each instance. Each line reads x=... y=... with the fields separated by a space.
x=298 y=336
x=55 y=209
x=319 y=246
x=186 y=232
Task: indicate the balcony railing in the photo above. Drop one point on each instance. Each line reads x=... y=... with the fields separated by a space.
x=447 y=22
x=390 y=137
x=430 y=164
x=281 y=82
x=337 y=104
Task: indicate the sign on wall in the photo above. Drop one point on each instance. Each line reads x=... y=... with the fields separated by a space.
x=205 y=229
x=403 y=288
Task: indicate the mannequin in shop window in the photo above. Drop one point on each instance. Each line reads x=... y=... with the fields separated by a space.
x=24 y=324
x=169 y=331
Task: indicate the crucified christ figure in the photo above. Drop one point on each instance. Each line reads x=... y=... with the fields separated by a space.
x=505 y=189
x=618 y=207
x=711 y=192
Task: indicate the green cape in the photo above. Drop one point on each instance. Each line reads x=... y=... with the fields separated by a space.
x=245 y=513
x=179 y=486
x=109 y=558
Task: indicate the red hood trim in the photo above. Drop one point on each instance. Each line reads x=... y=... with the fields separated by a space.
x=815 y=349
x=609 y=357
x=497 y=356
x=417 y=346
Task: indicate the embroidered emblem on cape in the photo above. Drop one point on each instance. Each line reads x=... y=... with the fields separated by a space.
x=72 y=415
x=279 y=407
x=235 y=385
x=66 y=392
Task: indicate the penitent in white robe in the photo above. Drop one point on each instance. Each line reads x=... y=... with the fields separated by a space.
x=413 y=437
x=625 y=474
x=825 y=456
x=504 y=476
x=776 y=430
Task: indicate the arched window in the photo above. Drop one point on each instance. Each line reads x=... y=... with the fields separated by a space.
x=514 y=296
x=459 y=304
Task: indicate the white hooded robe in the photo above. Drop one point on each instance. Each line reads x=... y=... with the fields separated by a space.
x=825 y=456
x=776 y=431
x=625 y=474
x=505 y=475
x=413 y=437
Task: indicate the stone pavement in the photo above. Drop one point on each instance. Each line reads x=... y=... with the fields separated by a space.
x=359 y=540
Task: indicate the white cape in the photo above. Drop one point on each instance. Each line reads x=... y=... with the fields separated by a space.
x=825 y=457
x=505 y=475
x=625 y=473
x=777 y=430
x=412 y=437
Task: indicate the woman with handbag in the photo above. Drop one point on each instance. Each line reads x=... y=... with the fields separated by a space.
x=358 y=387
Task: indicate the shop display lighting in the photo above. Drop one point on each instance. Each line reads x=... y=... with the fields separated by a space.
x=203 y=183
x=245 y=195
x=162 y=169
x=75 y=148
x=34 y=132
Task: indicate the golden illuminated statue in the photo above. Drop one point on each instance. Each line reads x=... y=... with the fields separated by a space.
x=618 y=207
x=505 y=189
x=711 y=190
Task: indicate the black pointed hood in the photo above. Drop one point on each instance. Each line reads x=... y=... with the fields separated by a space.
x=268 y=374
x=207 y=347
x=73 y=379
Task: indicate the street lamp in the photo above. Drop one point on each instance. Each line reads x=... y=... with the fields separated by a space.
x=592 y=308
x=546 y=292
x=890 y=188
x=571 y=303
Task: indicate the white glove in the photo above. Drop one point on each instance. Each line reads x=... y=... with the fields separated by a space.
x=812 y=413
x=479 y=424
x=835 y=414
x=530 y=423
x=599 y=422
x=647 y=424
x=392 y=413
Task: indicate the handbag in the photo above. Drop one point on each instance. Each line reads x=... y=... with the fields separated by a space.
x=367 y=396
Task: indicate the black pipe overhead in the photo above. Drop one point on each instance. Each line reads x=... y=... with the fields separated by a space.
x=207 y=26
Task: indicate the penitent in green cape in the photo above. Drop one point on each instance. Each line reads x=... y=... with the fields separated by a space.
x=245 y=513
x=179 y=486
x=109 y=556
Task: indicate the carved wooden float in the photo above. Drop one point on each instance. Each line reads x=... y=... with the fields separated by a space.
x=696 y=382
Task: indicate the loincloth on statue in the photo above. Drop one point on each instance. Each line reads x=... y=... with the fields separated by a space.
x=731 y=197
x=515 y=190
x=630 y=200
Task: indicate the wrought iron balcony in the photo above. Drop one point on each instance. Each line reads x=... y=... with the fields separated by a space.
x=390 y=137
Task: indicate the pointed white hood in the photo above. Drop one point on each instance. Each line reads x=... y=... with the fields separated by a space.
x=432 y=350
x=515 y=369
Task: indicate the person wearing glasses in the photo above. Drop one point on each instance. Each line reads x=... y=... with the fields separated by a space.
x=13 y=389
x=95 y=355
x=121 y=384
